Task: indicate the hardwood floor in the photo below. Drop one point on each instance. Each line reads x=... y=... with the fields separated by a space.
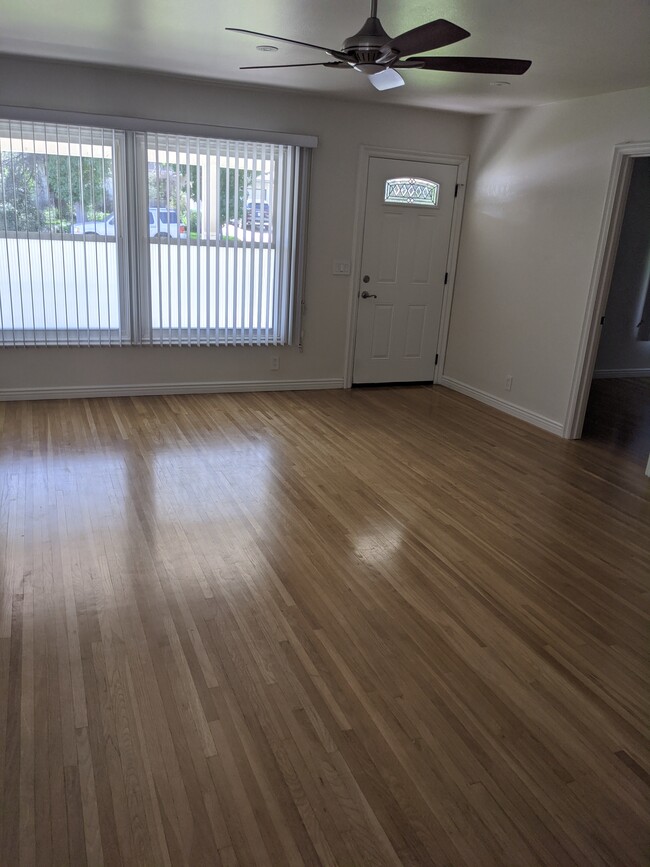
x=377 y=627
x=618 y=415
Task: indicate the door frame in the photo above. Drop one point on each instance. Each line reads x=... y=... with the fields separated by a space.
x=610 y=230
x=366 y=152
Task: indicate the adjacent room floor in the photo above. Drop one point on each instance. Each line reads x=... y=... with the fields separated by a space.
x=618 y=415
x=373 y=627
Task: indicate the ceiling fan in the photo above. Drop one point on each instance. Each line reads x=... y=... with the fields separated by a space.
x=372 y=52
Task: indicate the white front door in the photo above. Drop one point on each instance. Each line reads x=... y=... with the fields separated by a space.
x=403 y=264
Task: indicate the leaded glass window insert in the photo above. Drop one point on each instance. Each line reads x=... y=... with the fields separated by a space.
x=411 y=191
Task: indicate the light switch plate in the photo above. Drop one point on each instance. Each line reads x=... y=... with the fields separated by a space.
x=340 y=267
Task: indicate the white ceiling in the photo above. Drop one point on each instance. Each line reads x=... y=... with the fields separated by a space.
x=578 y=47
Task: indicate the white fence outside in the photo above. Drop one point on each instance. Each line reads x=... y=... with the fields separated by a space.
x=57 y=283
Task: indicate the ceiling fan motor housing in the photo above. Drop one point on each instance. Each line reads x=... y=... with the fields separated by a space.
x=365 y=45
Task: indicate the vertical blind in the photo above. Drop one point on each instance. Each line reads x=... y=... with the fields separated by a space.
x=60 y=280
x=230 y=276
x=111 y=237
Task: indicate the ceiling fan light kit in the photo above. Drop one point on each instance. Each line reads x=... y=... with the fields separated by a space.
x=383 y=78
x=372 y=52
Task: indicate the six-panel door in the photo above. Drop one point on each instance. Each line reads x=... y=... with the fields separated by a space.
x=407 y=228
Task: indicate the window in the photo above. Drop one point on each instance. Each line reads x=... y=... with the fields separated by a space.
x=411 y=191
x=225 y=271
x=60 y=278
x=205 y=249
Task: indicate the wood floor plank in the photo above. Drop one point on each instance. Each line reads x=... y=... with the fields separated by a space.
x=387 y=626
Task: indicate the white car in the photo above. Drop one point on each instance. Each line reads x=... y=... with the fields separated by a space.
x=163 y=223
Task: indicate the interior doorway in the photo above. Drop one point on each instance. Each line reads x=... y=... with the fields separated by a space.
x=623 y=163
x=618 y=406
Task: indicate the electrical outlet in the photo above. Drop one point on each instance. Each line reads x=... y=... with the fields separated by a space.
x=275 y=362
x=508 y=383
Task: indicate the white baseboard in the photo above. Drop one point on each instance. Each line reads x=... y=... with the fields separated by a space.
x=622 y=374
x=60 y=392
x=513 y=409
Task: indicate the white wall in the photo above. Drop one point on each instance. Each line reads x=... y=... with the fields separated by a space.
x=341 y=127
x=533 y=211
x=619 y=351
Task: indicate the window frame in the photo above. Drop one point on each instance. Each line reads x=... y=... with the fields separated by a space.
x=16 y=336
x=132 y=240
x=295 y=216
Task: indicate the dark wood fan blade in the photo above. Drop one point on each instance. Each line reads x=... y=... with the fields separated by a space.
x=411 y=63
x=332 y=51
x=335 y=64
x=426 y=37
x=488 y=65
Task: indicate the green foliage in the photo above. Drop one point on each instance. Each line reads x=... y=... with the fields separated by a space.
x=173 y=186
x=22 y=190
x=232 y=190
x=43 y=192
x=46 y=193
x=81 y=186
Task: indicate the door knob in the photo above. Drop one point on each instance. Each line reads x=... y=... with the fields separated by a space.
x=365 y=294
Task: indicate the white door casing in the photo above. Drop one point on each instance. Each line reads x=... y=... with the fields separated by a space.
x=404 y=256
x=613 y=211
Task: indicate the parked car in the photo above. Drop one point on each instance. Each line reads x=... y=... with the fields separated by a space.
x=97 y=227
x=163 y=223
x=257 y=215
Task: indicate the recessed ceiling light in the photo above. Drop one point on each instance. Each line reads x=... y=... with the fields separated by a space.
x=266 y=47
x=499 y=84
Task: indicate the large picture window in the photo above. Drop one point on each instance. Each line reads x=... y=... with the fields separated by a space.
x=109 y=237
x=60 y=278
x=220 y=269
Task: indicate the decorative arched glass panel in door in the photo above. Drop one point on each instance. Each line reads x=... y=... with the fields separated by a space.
x=411 y=191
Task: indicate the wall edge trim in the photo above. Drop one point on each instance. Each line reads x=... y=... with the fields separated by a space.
x=161 y=388
x=621 y=373
x=534 y=418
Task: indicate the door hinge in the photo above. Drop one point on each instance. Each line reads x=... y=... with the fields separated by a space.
x=436 y=361
x=456 y=191
x=602 y=320
x=446 y=277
